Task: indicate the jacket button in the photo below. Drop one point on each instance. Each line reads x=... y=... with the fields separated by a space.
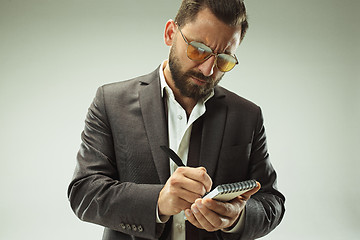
x=140 y=228
x=128 y=227
x=134 y=228
x=122 y=225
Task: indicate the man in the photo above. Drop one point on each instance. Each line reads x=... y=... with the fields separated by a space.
x=125 y=182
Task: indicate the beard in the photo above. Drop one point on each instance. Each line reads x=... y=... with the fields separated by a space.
x=183 y=82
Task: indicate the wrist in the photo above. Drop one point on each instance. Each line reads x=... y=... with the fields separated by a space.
x=159 y=217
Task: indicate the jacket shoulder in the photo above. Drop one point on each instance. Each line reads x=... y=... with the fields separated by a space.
x=132 y=84
x=235 y=101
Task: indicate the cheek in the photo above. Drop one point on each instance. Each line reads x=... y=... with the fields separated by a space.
x=217 y=74
x=185 y=62
x=189 y=65
x=181 y=52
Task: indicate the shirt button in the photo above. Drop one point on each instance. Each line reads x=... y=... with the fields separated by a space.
x=180 y=227
x=180 y=117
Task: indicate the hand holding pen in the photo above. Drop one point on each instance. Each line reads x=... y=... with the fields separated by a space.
x=184 y=186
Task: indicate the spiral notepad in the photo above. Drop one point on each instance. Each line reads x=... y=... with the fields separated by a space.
x=227 y=192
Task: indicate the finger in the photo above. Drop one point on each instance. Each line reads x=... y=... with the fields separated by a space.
x=221 y=208
x=178 y=194
x=221 y=213
x=188 y=196
x=207 y=181
x=191 y=218
x=181 y=179
x=171 y=204
x=248 y=194
x=200 y=175
x=201 y=215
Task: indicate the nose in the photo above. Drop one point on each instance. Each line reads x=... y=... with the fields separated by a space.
x=207 y=67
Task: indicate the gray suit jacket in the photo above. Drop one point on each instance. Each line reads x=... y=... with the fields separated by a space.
x=121 y=168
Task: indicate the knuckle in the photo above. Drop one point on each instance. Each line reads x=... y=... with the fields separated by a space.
x=202 y=175
x=174 y=181
x=172 y=191
x=180 y=170
x=218 y=223
x=199 y=189
x=228 y=209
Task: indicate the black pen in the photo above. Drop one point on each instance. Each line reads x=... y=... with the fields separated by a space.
x=173 y=156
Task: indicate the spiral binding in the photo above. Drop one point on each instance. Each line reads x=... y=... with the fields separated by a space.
x=238 y=186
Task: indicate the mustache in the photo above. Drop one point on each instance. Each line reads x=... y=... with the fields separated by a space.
x=199 y=76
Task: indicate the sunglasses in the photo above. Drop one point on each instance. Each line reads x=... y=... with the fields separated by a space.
x=200 y=52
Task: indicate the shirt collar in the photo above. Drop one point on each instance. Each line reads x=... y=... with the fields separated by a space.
x=163 y=83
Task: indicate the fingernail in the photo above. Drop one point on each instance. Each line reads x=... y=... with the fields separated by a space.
x=194 y=209
x=199 y=204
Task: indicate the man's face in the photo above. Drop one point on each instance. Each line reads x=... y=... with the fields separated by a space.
x=196 y=79
x=183 y=79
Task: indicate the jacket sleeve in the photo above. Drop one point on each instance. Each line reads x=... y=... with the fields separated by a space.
x=265 y=209
x=96 y=194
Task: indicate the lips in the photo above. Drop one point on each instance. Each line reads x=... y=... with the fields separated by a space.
x=199 y=81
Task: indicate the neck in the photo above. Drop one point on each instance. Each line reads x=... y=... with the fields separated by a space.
x=185 y=102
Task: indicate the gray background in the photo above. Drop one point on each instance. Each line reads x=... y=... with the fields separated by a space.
x=299 y=61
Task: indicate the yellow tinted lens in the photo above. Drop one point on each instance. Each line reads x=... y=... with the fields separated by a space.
x=198 y=51
x=225 y=62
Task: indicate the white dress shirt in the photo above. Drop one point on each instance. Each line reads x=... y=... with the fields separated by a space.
x=179 y=132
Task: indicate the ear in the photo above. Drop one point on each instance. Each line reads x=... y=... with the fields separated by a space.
x=170 y=30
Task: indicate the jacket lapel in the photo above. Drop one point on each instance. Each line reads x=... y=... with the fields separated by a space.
x=213 y=131
x=152 y=109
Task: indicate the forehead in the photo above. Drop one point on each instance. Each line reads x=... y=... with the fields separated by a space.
x=206 y=28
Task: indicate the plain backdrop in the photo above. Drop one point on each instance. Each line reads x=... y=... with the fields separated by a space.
x=299 y=61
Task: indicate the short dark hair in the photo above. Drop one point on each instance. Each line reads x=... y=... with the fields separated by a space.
x=231 y=12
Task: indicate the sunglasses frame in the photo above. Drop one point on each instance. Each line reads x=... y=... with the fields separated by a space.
x=211 y=54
